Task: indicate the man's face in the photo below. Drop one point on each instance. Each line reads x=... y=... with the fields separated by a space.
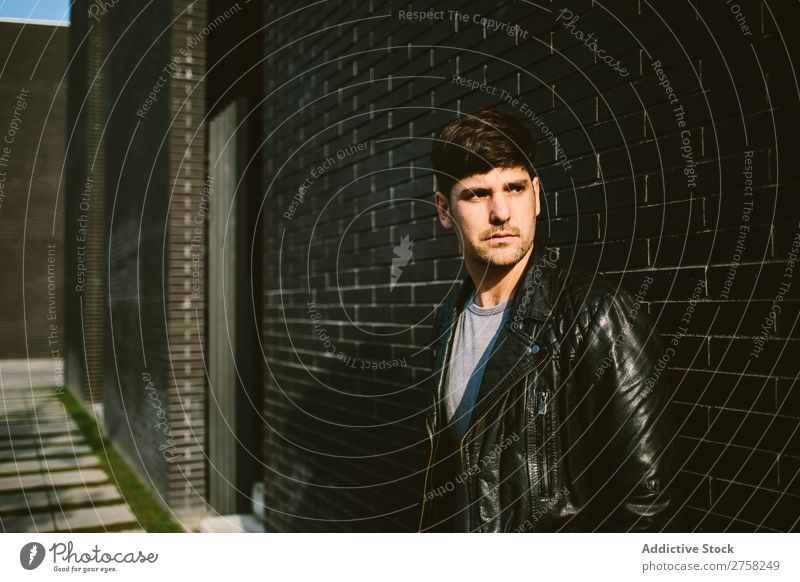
x=494 y=215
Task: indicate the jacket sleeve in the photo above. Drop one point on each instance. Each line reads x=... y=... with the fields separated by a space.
x=632 y=430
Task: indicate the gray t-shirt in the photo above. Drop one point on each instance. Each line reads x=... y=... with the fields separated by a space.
x=477 y=331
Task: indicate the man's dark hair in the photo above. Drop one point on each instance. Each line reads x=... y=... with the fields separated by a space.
x=475 y=144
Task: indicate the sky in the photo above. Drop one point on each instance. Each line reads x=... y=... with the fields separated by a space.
x=48 y=10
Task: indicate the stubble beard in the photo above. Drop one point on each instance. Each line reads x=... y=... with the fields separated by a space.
x=489 y=259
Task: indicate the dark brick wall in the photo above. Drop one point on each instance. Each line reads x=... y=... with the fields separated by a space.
x=33 y=97
x=643 y=190
x=137 y=174
x=154 y=388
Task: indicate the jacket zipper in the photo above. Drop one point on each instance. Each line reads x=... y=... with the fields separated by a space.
x=488 y=410
x=541 y=413
x=427 y=470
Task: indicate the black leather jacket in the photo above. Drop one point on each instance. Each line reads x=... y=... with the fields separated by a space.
x=571 y=430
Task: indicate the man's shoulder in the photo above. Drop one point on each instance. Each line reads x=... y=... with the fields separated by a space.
x=590 y=290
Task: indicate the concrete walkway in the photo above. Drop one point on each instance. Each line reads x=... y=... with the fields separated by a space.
x=50 y=481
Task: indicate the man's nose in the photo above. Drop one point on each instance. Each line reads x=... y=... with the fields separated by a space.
x=500 y=212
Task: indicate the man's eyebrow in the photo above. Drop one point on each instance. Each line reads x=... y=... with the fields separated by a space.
x=476 y=191
x=520 y=183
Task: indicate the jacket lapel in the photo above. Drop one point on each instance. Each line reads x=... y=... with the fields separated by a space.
x=512 y=356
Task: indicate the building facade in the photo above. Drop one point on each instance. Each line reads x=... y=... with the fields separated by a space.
x=274 y=258
x=137 y=103
x=32 y=138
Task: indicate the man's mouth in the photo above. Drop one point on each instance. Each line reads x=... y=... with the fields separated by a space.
x=502 y=235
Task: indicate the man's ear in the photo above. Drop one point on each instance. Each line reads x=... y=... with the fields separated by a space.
x=443 y=209
x=535 y=184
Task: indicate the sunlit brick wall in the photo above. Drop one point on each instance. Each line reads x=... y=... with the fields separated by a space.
x=666 y=138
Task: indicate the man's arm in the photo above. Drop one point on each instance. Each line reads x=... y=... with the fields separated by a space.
x=631 y=429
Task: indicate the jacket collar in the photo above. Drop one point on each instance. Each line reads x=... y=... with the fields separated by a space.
x=512 y=354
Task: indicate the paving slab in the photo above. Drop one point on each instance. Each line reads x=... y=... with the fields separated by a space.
x=42 y=431
x=15 y=419
x=94 y=517
x=66 y=439
x=38 y=397
x=56 y=409
x=27 y=374
x=11 y=452
x=37 y=522
x=64 y=478
x=28 y=403
x=18 y=467
x=21 y=482
x=55 y=413
x=7 y=443
x=27 y=501
x=61 y=464
x=13 y=395
x=28 y=417
x=37 y=452
x=49 y=464
x=78 y=448
x=49 y=440
x=42 y=426
x=33 y=413
x=84 y=495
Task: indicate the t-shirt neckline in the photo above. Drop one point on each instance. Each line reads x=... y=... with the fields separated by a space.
x=478 y=310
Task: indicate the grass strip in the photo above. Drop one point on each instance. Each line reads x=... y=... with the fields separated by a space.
x=151 y=516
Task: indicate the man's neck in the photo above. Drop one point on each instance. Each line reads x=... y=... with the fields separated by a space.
x=496 y=285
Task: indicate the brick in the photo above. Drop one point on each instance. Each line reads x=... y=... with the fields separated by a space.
x=692 y=490
x=737 y=355
x=717 y=389
x=755 y=430
x=738 y=464
x=757 y=506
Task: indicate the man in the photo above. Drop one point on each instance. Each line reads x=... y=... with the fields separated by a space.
x=547 y=414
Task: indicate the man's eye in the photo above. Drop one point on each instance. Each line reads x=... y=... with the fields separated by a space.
x=516 y=187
